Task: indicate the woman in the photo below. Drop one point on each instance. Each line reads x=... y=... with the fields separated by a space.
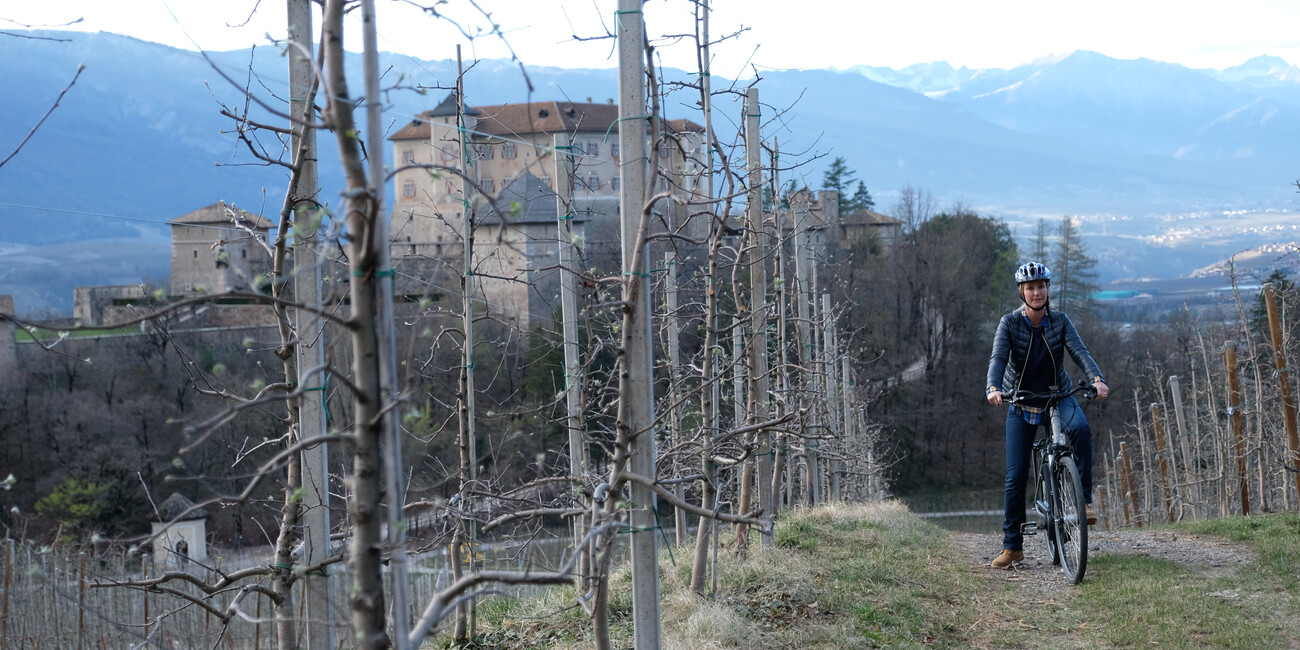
x=1029 y=354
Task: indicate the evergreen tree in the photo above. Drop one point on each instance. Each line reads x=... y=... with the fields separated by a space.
x=840 y=178
x=861 y=199
x=1285 y=294
x=1073 y=271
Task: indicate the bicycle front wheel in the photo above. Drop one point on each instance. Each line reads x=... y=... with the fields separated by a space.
x=1072 y=521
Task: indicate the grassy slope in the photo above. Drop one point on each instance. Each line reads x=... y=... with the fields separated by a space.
x=876 y=576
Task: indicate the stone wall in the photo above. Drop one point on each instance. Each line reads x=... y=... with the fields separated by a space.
x=8 y=352
x=93 y=306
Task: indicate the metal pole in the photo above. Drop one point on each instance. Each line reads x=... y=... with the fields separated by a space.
x=1190 y=473
x=637 y=359
x=389 y=388
x=832 y=396
x=467 y=315
x=308 y=262
x=568 y=258
x=674 y=378
x=1239 y=437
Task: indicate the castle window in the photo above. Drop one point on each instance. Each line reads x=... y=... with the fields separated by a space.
x=408 y=156
x=508 y=151
x=615 y=183
x=593 y=148
x=489 y=186
x=408 y=190
x=448 y=153
x=613 y=150
x=593 y=181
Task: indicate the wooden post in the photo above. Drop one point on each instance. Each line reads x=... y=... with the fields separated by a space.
x=1284 y=382
x=1239 y=436
x=1135 y=516
x=780 y=275
x=759 y=401
x=1101 y=508
x=1158 y=426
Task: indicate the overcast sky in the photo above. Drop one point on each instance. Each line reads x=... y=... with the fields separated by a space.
x=781 y=34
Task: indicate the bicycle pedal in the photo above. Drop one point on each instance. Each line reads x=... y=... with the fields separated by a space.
x=1029 y=528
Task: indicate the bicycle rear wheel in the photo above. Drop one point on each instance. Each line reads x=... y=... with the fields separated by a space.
x=1043 y=497
x=1072 y=522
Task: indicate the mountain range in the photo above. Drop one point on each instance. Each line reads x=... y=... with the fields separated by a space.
x=1144 y=153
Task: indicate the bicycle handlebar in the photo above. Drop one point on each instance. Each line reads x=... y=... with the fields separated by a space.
x=1056 y=396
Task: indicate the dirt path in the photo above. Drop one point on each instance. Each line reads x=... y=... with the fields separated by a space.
x=1041 y=580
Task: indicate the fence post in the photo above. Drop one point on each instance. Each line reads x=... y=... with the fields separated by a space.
x=1132 y=492
x=144 y=572
x=81 y=602
x=9 y=571
x=1284 y=382
x=1191 y=473
x=1158 y=426
x=1234 y=414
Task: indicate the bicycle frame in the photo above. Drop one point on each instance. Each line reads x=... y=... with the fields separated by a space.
x=1058 y=493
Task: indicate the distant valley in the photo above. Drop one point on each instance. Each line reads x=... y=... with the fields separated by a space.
x=1169 y=169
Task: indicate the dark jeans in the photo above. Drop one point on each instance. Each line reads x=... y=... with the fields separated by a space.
x=1020 y=446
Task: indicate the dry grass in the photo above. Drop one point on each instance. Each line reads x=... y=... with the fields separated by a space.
x=874 y=575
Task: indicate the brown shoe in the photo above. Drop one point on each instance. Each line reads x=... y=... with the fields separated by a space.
x=1092 y=514
x=1007 y=558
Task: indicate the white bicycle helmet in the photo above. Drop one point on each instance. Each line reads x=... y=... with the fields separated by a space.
x=1033 y=271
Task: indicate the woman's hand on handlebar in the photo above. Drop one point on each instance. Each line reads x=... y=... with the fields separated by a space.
x=995 y=397
x=1102 y=389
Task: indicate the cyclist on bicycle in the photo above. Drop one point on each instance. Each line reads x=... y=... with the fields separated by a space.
x=1029 y=354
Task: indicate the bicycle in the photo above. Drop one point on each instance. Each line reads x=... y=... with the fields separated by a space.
x=1058 y=495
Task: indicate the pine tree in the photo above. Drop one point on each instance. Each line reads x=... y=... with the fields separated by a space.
x=840 y=178
x=861 y=199
x=1073 y=274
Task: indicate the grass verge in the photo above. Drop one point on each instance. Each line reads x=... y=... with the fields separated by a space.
x=845 y=576
x=876 y=576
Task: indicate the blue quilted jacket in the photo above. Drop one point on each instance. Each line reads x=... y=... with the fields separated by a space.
x=1011 y=350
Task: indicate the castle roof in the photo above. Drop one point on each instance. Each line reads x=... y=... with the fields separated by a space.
x=221 y=213
x=512 y=120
